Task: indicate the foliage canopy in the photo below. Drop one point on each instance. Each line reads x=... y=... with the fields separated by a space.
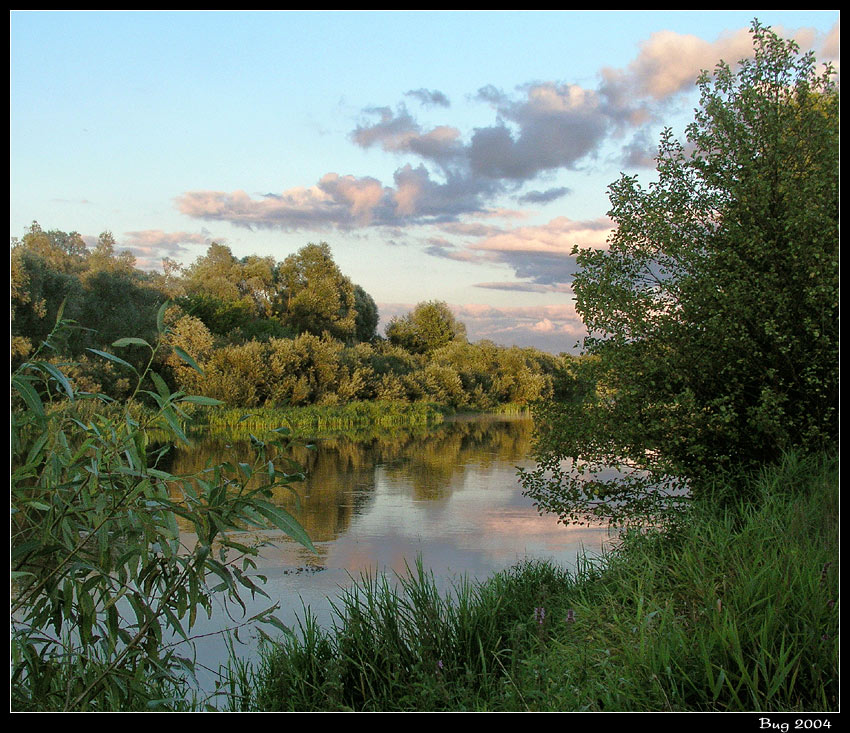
x=713 y=314
x=426 y=328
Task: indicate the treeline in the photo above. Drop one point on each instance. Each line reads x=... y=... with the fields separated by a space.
x=264 y=333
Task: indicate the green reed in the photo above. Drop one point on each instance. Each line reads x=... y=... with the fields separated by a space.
x=321 y=419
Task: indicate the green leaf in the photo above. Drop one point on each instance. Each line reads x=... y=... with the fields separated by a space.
x=160 y=317
x=161 y=386
x=61 y=378
x=188 y=359
x=29 y=395
x=284 y=521
x=171 y=418
x=277 y=623
x=112 y=357
x=129 y=341
x=200 y=400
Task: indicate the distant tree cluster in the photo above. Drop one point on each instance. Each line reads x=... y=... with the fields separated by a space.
x=264 y=333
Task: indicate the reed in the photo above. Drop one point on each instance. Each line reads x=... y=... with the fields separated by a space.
x=314 y=420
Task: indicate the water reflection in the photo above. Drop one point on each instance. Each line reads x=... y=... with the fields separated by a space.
x=449 y=495
x=343 y=473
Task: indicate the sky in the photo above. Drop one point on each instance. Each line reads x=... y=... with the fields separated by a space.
x=453 y=156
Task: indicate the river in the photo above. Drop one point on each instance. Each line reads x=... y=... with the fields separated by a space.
x=448 y=495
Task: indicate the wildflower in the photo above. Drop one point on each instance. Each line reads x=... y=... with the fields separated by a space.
x=439 y=665
x=539 y=614
x=571 y=616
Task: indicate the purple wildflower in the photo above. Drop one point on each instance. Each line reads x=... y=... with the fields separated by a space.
x=571 y=616
x=539 y=614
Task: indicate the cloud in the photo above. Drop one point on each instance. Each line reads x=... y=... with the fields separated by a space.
x=525 y=287
x=540 y=255
x=553 y=328
x=428 y=97
x=669 y=63
x=546 y=127
x=150 y=246
x=641 y=151
x=341 y=201
x=544 y=197
x=830 y=50
x=398 y=132
x=552 y=126
x=558 y=237
x=536 y=130
x=437 y=247
x=75 y=202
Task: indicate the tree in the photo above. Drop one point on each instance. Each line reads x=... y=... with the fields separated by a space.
x=366 y=319
x=243 y=286
x=313 y=296
x=426 y=328
x=713 y=313
x=65 y=252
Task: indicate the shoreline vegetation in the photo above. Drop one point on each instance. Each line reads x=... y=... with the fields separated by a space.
x=355 y=419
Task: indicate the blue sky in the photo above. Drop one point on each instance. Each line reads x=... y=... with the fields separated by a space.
x=443 y=155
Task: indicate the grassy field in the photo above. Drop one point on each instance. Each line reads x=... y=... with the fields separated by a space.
x=732 y=609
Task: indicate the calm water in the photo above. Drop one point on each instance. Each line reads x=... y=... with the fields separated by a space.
x=449 y=495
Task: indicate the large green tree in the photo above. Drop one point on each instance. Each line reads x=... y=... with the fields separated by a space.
x=100 y=289
x=228 y=293
x=428 y=327
x=313 y=296
x=713 y=313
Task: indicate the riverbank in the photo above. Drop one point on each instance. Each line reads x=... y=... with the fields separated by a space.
x=316 y=420
x=359 y=419
x=731 y=609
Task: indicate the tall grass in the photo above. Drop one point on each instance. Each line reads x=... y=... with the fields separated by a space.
x=733 y=609
x=316 y=420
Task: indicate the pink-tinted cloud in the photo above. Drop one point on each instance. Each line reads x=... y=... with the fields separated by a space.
x=342 y=201
x=830 y=50
x=537 y=129
x=669 y=63
x=553 y=328
x=150 y=246
x=559 y=236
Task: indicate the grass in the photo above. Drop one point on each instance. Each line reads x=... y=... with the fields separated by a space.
x=731 y=609
x=315 y=420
